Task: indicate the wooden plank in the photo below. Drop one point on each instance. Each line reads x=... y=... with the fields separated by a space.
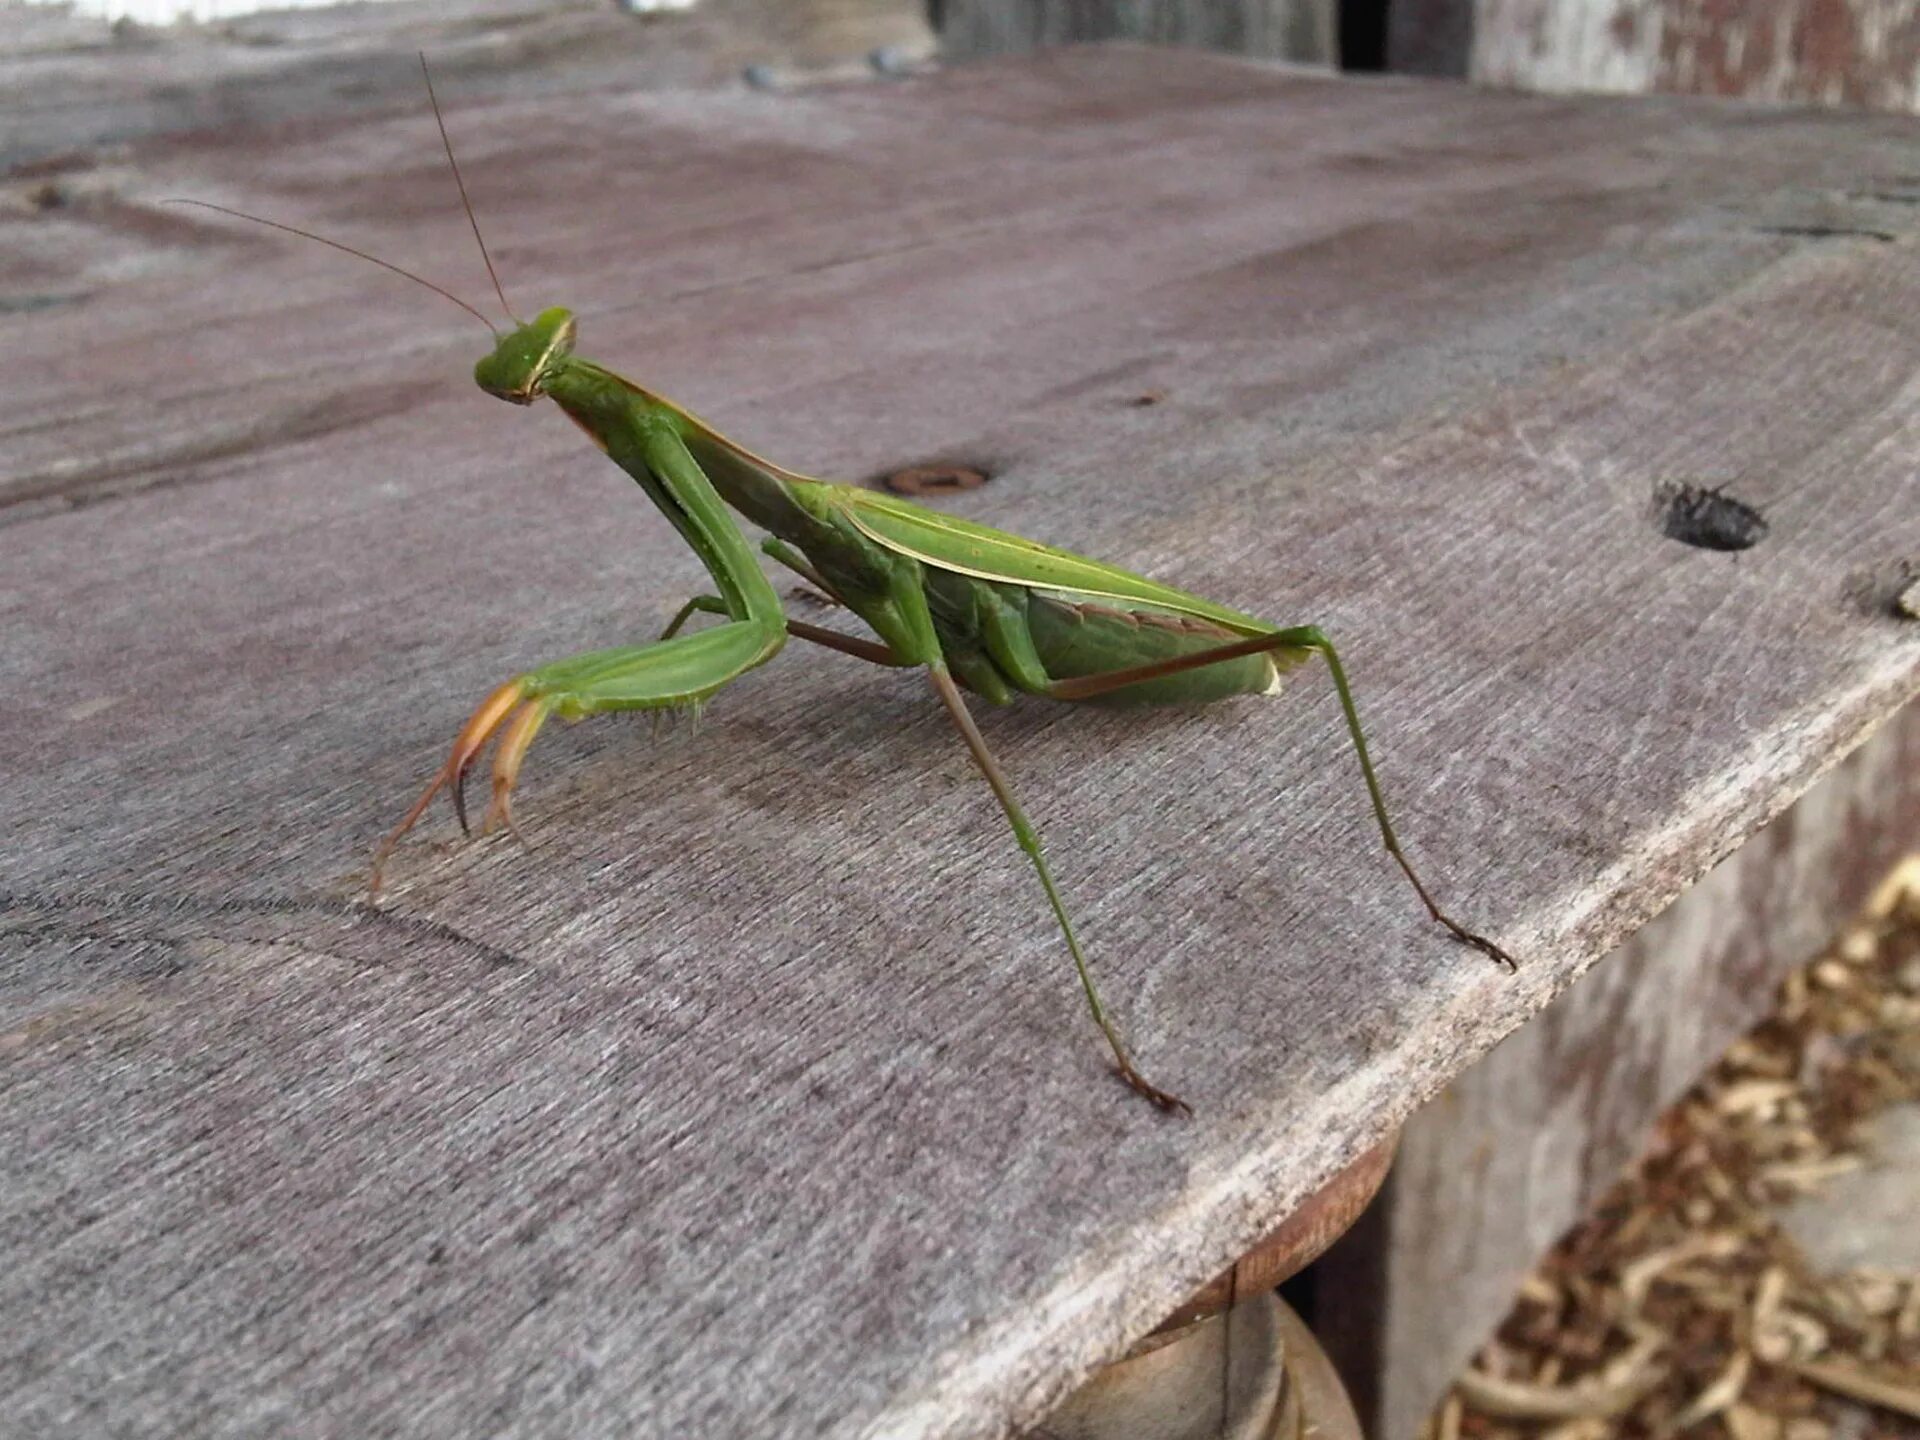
x=1430 y=37
x=77 y=85
x=758 y=1098
x=1826 y=52
x=1307 y=31
x=1525 y=1143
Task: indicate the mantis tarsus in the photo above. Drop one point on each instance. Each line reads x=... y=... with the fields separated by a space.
x=975 y=608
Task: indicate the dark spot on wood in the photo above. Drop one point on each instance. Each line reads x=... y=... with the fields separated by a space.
x=1624 y=27
x=1828 y=232
x=27 y=304
x=437 y=1254
x=48 y=167
x=935 y=479
x=1150 y=397
x=1707 y=518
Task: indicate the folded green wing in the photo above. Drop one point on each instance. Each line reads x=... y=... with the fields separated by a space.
x=950 y=543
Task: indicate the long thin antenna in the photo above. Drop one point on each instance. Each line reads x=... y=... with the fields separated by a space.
x=357 y=254
x=465 y=203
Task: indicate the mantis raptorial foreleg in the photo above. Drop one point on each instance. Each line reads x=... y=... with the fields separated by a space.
x=679 y=672
x=1298 y=637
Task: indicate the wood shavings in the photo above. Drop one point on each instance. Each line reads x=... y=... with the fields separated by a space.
x=1746 y=1423
x=1861 y=1385
x=1790 y=1336
x=1612 y=1392
x=1907 y=1326
x=1718 y=1396
x=1681 y=1306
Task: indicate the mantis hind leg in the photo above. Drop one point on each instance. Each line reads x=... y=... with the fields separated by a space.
x=1299 y=637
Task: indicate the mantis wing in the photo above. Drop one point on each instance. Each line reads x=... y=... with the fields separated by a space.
x=947 y=542
x=950 y=543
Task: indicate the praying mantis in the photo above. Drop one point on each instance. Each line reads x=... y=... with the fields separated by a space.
x=974 y=608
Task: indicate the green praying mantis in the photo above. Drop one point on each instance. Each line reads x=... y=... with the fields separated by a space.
x=976 y=609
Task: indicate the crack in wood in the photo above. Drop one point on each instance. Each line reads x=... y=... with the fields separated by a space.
x=129 y=907
x=182 y=461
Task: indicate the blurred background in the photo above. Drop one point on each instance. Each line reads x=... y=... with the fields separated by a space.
x=1828 y=52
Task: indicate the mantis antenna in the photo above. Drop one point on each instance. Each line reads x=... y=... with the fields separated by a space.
x=335 y=244
x=465 y=203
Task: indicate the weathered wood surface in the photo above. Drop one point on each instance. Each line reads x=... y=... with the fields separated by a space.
x=1307 y=31
x=1430 y=37
x=75 y=83
x=1526 y=1142
x=1825 y=52
x=758 y=1100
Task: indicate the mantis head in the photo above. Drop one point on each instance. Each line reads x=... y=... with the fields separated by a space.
x=520 y=362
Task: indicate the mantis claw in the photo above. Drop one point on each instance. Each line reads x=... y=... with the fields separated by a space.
x=460 y=796
x=507 y=758
x=1172 y=1104
x=1483 y=945
x=471 y=740
x=1454 y=927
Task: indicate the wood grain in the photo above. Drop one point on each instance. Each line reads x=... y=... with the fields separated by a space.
x=758 y=1099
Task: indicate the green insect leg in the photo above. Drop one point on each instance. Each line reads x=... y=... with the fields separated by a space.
x=678 y=673
x=1023 y=831
x=1299 y=637
x=831 y=639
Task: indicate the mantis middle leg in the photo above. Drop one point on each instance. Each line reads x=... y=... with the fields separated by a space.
x=832 y=639
x=1029 y=840
x=906 y=624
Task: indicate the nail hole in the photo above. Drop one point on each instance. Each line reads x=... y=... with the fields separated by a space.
x=934 y=479
x=1706 y=517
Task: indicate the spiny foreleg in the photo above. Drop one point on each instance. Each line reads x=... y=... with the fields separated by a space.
x=677 y=673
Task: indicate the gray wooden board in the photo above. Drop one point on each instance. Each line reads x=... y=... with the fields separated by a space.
x=1526 y=1143
x=758 y=1098
x=1302 y=30
x=76 y=84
